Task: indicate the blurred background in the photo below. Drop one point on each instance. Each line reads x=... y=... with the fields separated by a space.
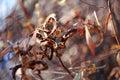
x=15 y=23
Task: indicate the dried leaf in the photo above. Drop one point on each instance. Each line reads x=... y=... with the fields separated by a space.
x=33 y=39
x=97 y=35
x=118 y=58
x=25 y=45
x=112 y=27
x=113 y=23
x=89 y=41
x=107 y=21
x=34 y=52
x=96 y=18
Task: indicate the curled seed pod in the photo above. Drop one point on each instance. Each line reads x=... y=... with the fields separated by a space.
x=50 y=23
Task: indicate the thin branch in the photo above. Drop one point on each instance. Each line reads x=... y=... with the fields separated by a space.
x=64 y=66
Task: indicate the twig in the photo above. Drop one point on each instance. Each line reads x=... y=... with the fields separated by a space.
x=64 y=66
